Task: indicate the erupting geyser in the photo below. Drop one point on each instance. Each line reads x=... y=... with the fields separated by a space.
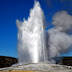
x=32 y=45
x=31 y=36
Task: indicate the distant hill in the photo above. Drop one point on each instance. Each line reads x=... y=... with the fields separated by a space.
x=67 y=61
x=64 y=61
x=7 y=61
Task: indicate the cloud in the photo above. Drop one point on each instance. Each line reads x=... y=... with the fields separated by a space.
x=62 y=19
x=59 y=40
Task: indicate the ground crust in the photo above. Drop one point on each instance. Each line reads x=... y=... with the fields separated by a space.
x=38 y=67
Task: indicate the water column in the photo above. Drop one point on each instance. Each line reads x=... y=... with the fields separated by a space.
x=31 y=36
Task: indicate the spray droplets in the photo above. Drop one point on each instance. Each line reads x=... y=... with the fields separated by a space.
x=31 y=36
x=32 y=45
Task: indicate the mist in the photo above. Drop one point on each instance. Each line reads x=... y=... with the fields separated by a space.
x=35 y=45
x=60 y=38
x=31 y=37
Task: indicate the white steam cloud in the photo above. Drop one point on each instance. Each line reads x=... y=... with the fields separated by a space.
x=32 y=45
x=59 y=38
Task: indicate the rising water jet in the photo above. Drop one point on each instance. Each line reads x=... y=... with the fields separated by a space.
x=33 y=46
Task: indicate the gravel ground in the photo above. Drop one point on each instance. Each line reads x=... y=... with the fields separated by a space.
x=39 y=67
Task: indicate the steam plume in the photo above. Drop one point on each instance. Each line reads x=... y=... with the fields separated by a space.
x=59 y=38
x=32 y=45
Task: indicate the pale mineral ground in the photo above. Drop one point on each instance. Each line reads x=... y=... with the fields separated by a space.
x=38 y=67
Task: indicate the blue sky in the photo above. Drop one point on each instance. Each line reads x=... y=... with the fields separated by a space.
x=10 y=10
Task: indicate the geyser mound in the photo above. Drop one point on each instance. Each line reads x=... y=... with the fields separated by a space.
x=33 y=44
